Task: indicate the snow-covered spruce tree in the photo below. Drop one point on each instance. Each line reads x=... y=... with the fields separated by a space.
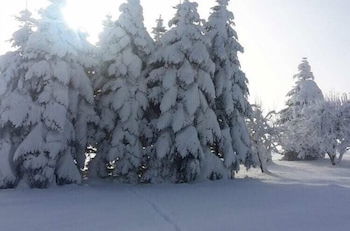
x=232 y=106
x=181 y=87
x=159 y=30
x=305 y=92
x=125 y=46
x=63 y=102
x=17 y=110
x=304 y=98
x=263 y=135
x=97 y=166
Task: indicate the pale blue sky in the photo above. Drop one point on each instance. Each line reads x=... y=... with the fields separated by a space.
x=276 y=34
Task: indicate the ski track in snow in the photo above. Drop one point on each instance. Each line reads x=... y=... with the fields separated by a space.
x=158 y=210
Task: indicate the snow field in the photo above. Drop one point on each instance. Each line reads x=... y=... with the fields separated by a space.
x=300 y=195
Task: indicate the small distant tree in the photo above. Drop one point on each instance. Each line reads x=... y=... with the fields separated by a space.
x=300 y=140
x=159 y=30
x=304 y=93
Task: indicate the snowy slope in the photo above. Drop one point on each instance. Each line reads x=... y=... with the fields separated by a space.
x=295 y=196
x=318 y=172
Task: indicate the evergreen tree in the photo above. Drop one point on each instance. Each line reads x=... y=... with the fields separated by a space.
x=304 y=93
x=125 y=46
x=181 y=87
x=17 y=110
x=300 y=121
x=58 y=103
x=159 y=30
x=232 y=106
x=97 y=166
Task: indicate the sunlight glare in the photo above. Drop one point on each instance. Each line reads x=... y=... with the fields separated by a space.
x=87 y=16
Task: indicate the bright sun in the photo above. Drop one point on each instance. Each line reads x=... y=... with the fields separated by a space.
x=87 y=16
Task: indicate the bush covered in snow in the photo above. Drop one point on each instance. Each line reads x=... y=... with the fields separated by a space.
x=335 y=123
x=264 y=137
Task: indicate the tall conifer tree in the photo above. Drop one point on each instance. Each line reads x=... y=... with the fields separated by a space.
x=301 y=133
x=232 y=106
x=181 y=85
x=16 y=106
x=125 y=46
x=58 y=100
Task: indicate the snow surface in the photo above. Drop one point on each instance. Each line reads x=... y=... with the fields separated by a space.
x=298 y=195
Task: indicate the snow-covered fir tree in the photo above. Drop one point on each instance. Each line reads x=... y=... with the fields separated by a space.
x=125 y=46
x=97 y=165
x=181 y=87
x=57 y=107
x=16 y=106
x=263 y=135
x=232 y=106
x=305 y=92
x=159 y=30
x=297 y=119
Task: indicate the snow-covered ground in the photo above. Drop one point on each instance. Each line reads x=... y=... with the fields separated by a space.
x=296 y=196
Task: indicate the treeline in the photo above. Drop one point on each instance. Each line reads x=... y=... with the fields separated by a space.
x=168 y=109
x=140 y=110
